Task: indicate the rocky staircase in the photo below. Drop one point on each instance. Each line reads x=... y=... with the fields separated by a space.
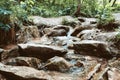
x=63 y=52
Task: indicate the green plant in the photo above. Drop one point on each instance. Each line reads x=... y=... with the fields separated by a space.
x=5 y=27
x=5 y=19
x=104 y=14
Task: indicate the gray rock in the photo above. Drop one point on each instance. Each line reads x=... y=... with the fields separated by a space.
x=113 y=74
x=22 y=73
x=58 y=64
x=39 y=21
x=92 y=48
x=59 y=30
x=23 y=61
x=108 y=36
x=116 y=16
x=88 y=22
x=42 y=52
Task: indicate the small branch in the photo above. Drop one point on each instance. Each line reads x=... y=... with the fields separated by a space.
x=96 y=68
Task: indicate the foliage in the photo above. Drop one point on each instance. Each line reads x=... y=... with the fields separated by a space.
x=105 y=14
x=5 y=19
x=5 y=27
x=19 y=10
x=117 y=7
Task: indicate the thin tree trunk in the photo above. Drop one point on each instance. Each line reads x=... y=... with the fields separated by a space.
x=77 y=12
x=53 y=2
x=114 y=3
x=110 y=1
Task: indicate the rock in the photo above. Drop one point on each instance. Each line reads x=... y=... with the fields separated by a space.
x=104 y=74
x=88 y=34
x=47 y=30
x=22 y=73
x=117 y=18
x=66 y=28
x=76 y=31
x=92 y=48
x=44 y=40
x=108 y=36
x=90 y=74
x=39 y=21
x=27 y=33
x=1 y=50
x=86 y=23
x=59 y=30
x=114 y=74
x=115 y=64
x=10 y=53
x=58 y=64
x=23 y=61
x=79 y=63
x=64 y=41
x=63 y=76
x=101 y=74
x=42 y=52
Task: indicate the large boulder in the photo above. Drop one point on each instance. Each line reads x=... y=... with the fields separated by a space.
x=40 y=21
x=23 y=61
x=96 y=34
x=42 y=52
x=92 y=48
x=107 y=36
x=58 y=64
x=22 y=73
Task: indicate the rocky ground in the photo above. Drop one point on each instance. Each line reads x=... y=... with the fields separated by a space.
x=63 y=48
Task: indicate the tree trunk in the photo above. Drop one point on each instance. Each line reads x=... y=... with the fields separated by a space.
x=110 y=1
x=7 y=37
x=114 y=3
x=77 y=12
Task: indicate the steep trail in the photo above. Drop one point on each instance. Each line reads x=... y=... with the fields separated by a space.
x=60 y=55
